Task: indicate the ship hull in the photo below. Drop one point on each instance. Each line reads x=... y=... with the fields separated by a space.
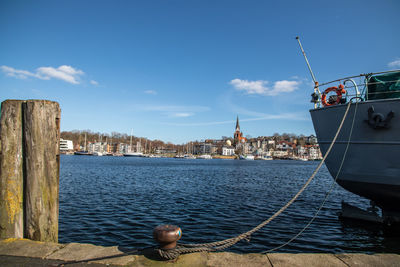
x=372 y=164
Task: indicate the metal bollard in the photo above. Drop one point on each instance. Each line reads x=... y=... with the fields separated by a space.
x=167 y=236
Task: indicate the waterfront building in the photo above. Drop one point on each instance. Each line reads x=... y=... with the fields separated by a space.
x=66 y=145
x=312 y=140
x=284 y=145
x=204 y=148
x=301 y=151
x=315 y=153
x=280 y=154
x=97 y=147
x=228 y=151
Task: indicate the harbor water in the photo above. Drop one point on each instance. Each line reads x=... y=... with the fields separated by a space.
x=118 y=201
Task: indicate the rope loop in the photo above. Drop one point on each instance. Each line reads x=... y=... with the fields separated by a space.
x=172 y=254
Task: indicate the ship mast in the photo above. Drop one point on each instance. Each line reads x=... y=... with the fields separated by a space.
x=316 y=88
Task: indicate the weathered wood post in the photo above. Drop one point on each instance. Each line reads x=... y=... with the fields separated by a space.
x=11 y=170
x=30 y=133
x=42 y=168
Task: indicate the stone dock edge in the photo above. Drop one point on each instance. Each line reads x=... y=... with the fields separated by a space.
x=24 y=252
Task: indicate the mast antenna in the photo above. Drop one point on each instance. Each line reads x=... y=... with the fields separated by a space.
x=316 y=89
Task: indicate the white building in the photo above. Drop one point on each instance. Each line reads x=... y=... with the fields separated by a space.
x=301 y=151
x=66 y=145
x=228 y=151
x=98 y=147
x=315 y=153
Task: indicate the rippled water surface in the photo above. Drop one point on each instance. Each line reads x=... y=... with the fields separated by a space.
x=113 y=201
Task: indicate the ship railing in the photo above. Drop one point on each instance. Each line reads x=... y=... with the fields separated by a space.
x=352 y=87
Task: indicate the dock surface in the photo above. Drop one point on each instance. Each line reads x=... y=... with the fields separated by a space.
x=24 y=252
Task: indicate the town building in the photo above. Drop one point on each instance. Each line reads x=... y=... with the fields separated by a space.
x=228 y=151
x=66 y=145
x=205 y=148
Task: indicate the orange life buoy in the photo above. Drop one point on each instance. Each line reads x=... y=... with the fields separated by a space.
x=339 y=92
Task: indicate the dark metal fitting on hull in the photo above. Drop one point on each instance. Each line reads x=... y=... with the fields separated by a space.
x=314 y=98
x=167 y=235
x=377 y=120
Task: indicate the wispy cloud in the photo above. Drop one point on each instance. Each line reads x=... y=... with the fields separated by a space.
x=65 y=73
x=173 y=108
x=181 y=114
x=19 y=74
x=150 y=92
x=94 y=82
x=284 y=116
x=172 y=111
x=395 y=63
x=261 y=87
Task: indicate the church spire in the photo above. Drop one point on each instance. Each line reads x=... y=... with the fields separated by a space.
x=237 y=124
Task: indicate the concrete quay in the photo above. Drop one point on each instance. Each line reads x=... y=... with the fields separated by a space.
x=24 y=252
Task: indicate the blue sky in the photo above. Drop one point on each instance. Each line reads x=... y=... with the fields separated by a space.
x=183 y=70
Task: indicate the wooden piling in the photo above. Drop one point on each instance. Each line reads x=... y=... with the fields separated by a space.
x=42 y=163
x=29 y=174
x=11 y=170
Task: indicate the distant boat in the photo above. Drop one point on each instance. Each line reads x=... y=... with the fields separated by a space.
x=264 y=158
x=205 y=156
x=96 y=153
x=134 y=154
x=187 y=156
x=83 y=153
x=246 y=157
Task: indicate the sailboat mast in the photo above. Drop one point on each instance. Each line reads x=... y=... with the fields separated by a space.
x=130 y=144
x=84 y=148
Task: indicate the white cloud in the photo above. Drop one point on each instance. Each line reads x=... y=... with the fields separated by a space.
x=284 y=116
x=250 y=87
x=150 y=92
x=395 y=63
x=64 y=73
x=94 y=82
x=260 y=87
x=19 y=74
x=284 y=87
x=181 y=114
x=172 y=108
x=172 y=111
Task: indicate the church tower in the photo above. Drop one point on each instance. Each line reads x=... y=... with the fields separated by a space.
x=237 y=124
x=238 y=135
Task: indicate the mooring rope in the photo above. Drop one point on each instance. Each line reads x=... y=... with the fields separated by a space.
x=171 y=254
x=329 y=191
